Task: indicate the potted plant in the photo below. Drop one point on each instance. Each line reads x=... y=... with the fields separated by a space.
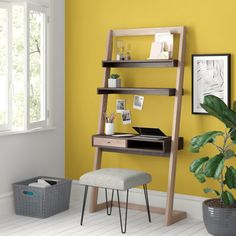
x=114 y=81
x=219 y=214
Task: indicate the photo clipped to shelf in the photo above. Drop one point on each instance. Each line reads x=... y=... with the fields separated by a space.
x=120 y=105
x=210 y=76
x=126 y=117
x=138 y=102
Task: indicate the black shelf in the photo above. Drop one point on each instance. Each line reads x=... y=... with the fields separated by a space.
x=148 y=91
x=141 y=63
x=137 y=151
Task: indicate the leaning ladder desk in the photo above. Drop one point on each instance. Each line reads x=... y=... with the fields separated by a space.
x=171 y=216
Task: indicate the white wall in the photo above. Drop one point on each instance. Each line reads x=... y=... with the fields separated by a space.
x=39 y=153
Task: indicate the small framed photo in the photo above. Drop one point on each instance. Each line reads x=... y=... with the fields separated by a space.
x=210 y=76
x=138 y=102
x=126 y=117
x=120 y=105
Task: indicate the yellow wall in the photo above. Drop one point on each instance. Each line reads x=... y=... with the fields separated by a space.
x=210 y=29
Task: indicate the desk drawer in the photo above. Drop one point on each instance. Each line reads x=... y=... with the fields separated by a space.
x=109 y=142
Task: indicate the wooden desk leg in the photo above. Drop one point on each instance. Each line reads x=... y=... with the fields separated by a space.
x=175 y=133
x=171 y=190
x=101 y=121
x=93 y=200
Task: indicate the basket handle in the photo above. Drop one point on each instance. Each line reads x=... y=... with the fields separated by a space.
x=28 y=193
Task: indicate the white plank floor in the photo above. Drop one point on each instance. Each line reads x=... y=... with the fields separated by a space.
x=97 y=224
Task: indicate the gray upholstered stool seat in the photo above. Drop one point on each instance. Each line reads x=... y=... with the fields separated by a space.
x=115 y=178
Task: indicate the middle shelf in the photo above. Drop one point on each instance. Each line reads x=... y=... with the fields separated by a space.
x=150 y=91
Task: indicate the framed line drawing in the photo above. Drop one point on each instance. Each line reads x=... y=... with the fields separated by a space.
x=210 y=76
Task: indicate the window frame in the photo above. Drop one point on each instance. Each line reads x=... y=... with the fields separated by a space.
x=42 y=123
x=7 y=125
x=43 y=8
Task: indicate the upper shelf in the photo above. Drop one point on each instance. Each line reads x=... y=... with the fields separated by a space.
x=141 y=63
x=158 y=91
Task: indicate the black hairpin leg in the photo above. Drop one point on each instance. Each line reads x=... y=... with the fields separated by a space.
x=109 y=212
x=84 y=202
x=147 y=202
x=123 y=230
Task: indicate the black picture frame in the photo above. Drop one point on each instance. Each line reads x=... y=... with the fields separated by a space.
x=210 y=76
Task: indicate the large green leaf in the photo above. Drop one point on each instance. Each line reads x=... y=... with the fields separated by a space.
x=217 y=108
x=199 y=173
x=229 y=154
x=219 y=169
x=210 y=190
x=196 y=163
x=211 y=168
x=230 y=177
x=227 y=198
x=199 y=141
x=233 y=135
x=201 y=177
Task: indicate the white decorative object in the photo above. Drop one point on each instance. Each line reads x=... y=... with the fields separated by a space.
x=156 y=49
x=168 y=40
x=162 y=47
x=114 y=83
x=109 y=128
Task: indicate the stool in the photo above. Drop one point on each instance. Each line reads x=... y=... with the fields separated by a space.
x=116 y=179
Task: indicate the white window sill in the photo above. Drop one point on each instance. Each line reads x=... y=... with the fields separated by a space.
x=7 y=133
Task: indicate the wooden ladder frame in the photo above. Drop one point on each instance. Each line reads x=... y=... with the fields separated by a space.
x=171 y=216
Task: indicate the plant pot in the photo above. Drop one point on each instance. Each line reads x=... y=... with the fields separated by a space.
x=114 y=83
x=219 y=221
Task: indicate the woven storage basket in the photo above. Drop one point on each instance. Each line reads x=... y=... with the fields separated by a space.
x=41 y=202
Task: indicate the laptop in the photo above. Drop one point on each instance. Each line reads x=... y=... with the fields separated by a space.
x=153 y=133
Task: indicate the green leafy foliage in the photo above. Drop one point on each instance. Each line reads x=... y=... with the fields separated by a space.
x=230 y=177
x=217 y=108
x=199 y=173
x=199 y=141
x=233 y=134
x=210 y=190
x=215 y=167
x=227 y=198
x=114 y=76
x=229 y=154
x=198 y=162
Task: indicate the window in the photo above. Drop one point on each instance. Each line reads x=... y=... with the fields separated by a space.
x=23 y=66
x=4 y=66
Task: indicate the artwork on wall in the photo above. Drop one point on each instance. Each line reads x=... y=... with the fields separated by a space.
x=210 y=76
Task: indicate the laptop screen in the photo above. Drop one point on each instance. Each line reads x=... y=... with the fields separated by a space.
x=149 y=131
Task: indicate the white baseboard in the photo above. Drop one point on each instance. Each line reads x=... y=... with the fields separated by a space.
x=6 y=204
x=191 y=204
